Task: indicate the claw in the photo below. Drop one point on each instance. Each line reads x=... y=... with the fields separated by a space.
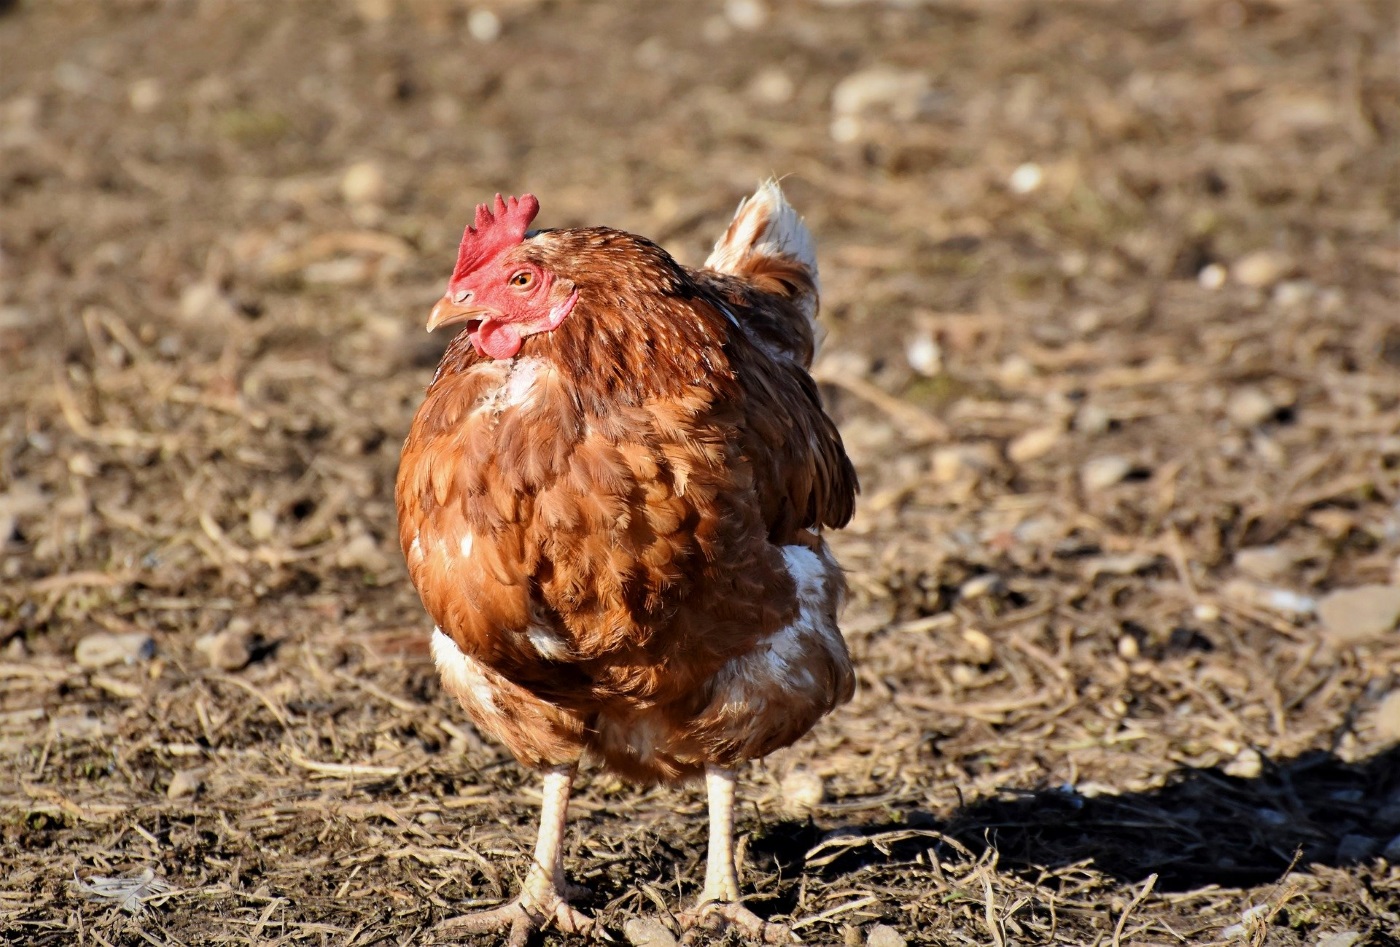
x=713 y=917
x=522 y=917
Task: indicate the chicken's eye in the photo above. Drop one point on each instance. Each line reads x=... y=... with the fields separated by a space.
x=522 y=279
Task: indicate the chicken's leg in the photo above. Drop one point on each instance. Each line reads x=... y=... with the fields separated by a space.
x=542 y=897
x=719 y=904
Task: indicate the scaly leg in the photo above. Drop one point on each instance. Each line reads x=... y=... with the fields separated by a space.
x=542 y=898
x=719 y=905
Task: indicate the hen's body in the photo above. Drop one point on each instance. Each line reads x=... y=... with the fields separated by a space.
x=617 y=531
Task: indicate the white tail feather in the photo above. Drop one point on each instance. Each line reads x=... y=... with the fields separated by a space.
x=766 y=225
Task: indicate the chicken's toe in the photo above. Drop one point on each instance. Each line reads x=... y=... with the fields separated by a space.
x=522 y=917
x=712 y=917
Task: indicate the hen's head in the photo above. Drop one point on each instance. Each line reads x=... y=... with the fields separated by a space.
x=497 y=290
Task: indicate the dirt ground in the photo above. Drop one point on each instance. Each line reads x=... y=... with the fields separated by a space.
x=1113 y=291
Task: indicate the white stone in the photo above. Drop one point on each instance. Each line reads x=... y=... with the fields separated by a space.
x=802 y=791
x=1035 y=443
x=900 y=92
x=184 y=783
x=1260 y=269
x=205 y=302
x=1026 y=178
x=647 y=932
x=1247 y=764
x=1360 y=614
x=746 y=15
x=1249 y=407
x=144 y=95
x=1104 y=472
x=924 y=354
x=262 y=524
x=773 y=86
x=363 y=183
x=1212 y=276
x=484 y=26
x=882 y=935
x=103 y=649
x=1266 y=563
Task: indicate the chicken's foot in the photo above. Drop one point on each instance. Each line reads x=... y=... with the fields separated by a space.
x=719 y=906
x=543 y=898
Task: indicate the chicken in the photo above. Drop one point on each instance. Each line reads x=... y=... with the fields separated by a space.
x=611 y=503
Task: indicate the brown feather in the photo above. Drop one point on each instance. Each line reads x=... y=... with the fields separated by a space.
x=619 y=529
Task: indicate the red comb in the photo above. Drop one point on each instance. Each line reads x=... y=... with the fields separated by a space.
x=494 y=231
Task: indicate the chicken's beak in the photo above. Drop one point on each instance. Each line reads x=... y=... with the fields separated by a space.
x=448 y=312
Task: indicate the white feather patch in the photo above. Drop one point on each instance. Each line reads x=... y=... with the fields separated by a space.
x=779 y=659
x=461 y=675
x=765 y=225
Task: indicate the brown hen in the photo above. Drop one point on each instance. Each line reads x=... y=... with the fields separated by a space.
x=611 y=503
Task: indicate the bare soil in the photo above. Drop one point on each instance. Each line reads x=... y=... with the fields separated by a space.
x=1113 y=291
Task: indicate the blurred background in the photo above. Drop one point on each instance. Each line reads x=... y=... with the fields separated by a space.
x=1114 y=340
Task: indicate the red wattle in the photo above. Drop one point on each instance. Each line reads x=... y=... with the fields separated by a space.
x=497 y=339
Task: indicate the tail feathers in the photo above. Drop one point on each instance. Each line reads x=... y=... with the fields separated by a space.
x=768 y=244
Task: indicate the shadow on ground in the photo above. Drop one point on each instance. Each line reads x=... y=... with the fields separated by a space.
x=1202 y=828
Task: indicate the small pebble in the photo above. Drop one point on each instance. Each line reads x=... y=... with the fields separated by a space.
x=1026 y=179
x=363 y=183
x=374 y=11
x=980 y=585
x=1341 y=939
x=1260 y=269
x=1266 y=563
x=1293 y=293
x=186 y=782
x=262 y=524
x=1360 y=614
x=1104 y=472
x=924 y=354
x=802 y=791
x=1250 y=922
x=484 y=26
x=1206 y=611
x=1128 y=648
x=899 y=92
x=1092 y=420
x=362 y=552
x=1211 y=276
x=1035 y=443
x=647 y=932
x=230 y=649
x=965 y=462
x=773 y=86
x=746 y=15
x=81 y=465
x=103 y=649
x=982 y=647
x=144 y=95
x=1247 y=764
x=205 y=302
x=882 y=935
x=1127 y=563
x=1249 y=407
